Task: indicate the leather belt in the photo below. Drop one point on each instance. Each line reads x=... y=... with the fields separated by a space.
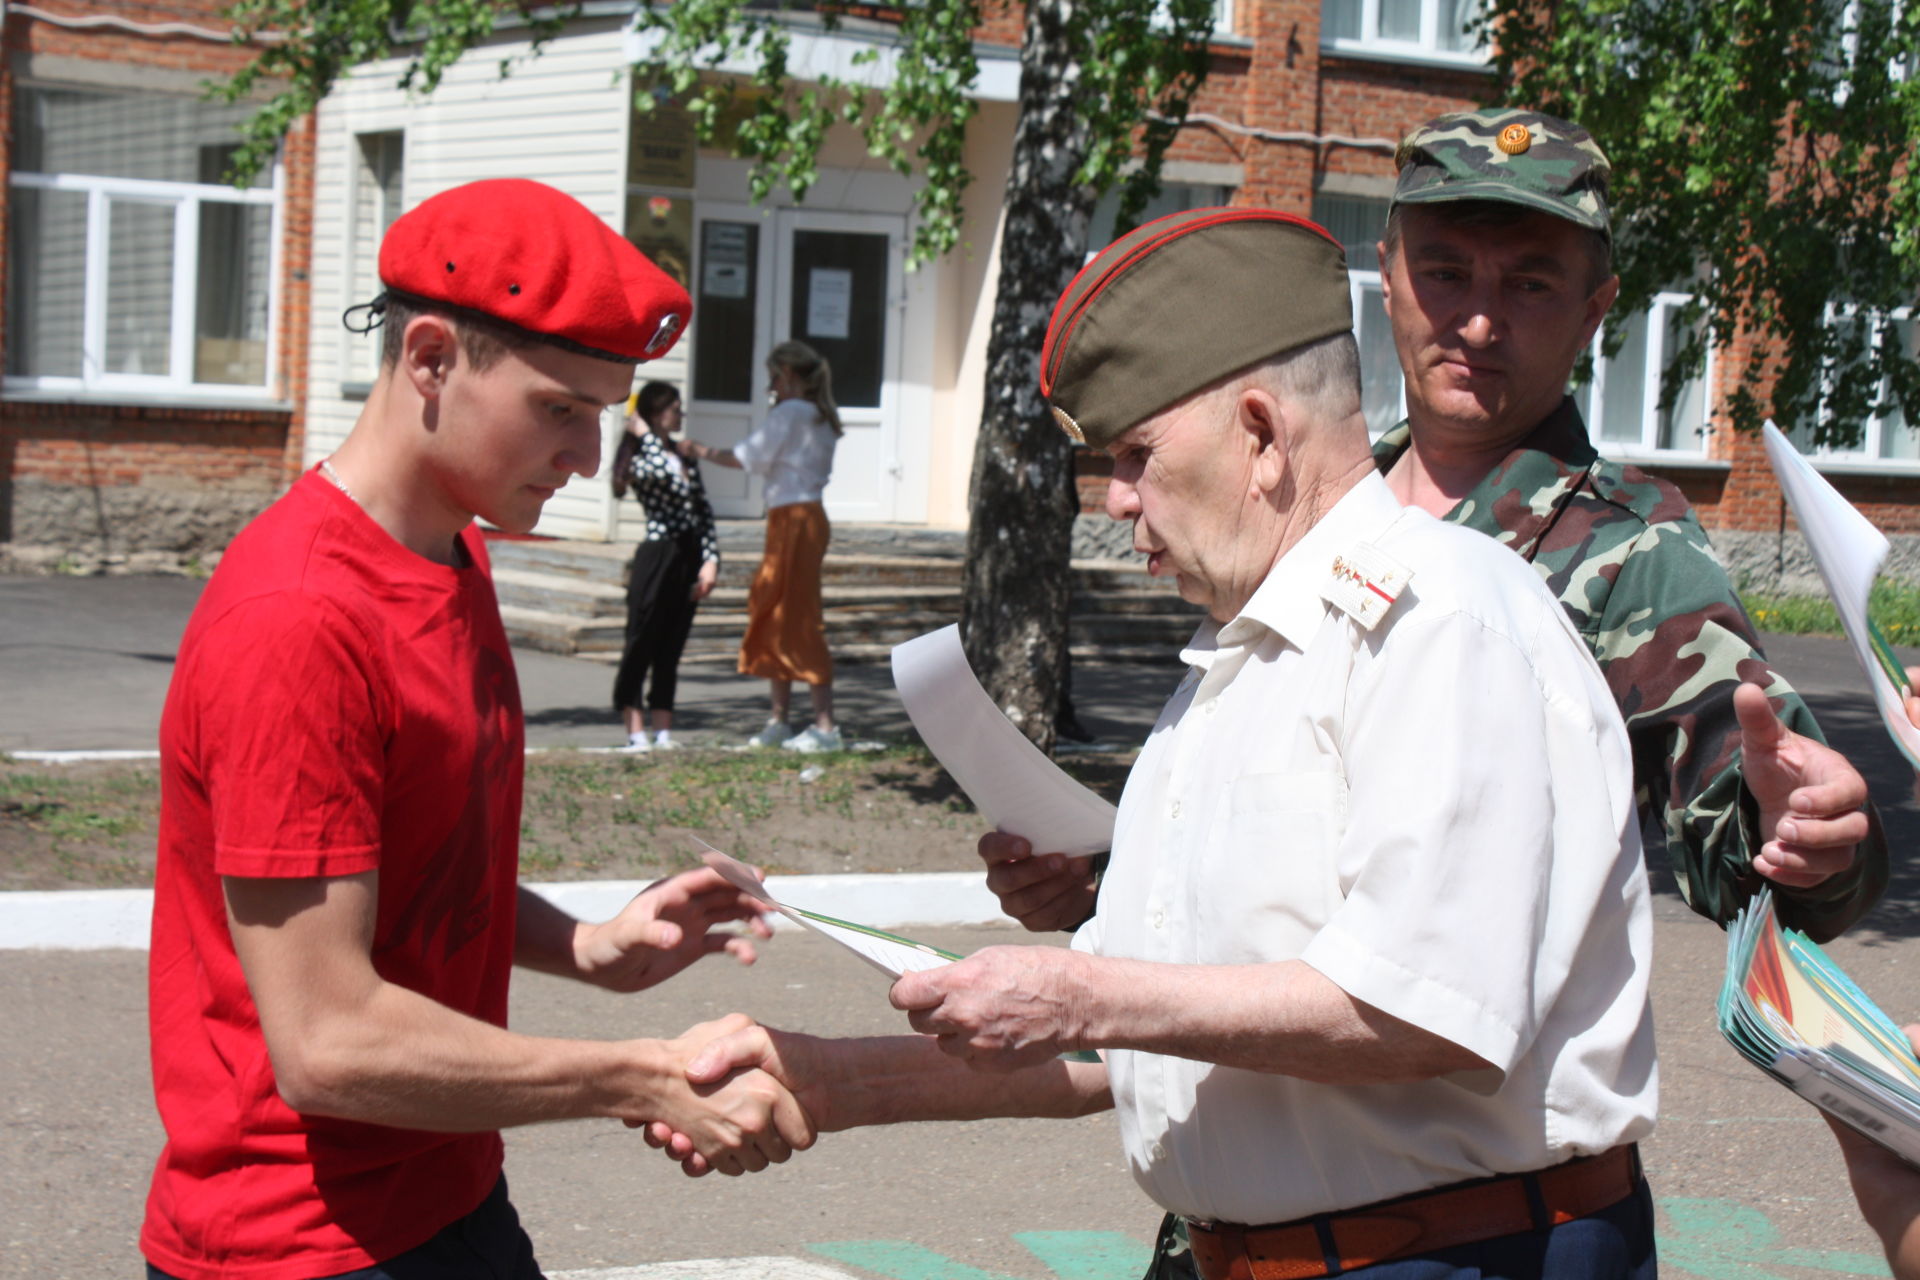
x=1462 y=1213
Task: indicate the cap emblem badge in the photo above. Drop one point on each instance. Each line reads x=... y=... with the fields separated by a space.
x=1068 y=425
x=663 y=336
x=1514 y=139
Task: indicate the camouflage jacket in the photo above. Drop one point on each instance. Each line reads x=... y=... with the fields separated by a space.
x=1632 y=567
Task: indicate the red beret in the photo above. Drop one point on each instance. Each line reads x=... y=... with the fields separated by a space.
x=523 y=252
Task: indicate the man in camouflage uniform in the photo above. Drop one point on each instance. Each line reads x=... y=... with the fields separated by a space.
x=1496 y=268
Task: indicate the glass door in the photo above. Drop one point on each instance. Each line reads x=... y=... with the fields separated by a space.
x=839 y=289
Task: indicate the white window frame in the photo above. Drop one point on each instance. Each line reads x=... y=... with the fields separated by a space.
x=186 y=199
x=1358 y=284
x=1849 y=50
x=1426 y=49
x=356 y=381
x=1867 y=453
x=1655 y=361
x=1223 y=14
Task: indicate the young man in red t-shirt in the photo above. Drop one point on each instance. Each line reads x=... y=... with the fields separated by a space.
x=336 y=906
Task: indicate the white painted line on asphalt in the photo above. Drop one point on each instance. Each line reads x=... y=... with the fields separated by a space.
x=118 y=919
x=81 y=757
x=713 y=1269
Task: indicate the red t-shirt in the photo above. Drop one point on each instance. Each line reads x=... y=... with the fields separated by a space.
x=339 y=705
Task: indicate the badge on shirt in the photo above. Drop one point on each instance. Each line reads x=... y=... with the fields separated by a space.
x=1364 y=582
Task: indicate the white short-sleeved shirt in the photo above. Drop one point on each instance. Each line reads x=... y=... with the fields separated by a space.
x=792 y=452
x=1437 y=814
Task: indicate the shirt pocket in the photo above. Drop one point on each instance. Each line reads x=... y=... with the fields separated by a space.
x=1272 y=866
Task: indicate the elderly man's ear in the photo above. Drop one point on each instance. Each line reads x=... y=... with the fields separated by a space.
x=1264 y=421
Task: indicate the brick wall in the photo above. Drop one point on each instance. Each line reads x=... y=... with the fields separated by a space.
x=95 y=485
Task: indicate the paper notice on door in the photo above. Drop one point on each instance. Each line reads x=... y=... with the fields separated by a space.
x=1848 y=551
x=1011 y=781
x=829 y=302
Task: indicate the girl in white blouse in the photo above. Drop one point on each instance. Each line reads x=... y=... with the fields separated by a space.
x=792 y=452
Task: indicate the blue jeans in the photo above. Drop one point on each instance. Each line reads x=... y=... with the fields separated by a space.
x=487 y=1244
x=1613 y=1244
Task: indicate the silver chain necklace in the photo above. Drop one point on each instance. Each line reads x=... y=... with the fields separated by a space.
x=326 y=469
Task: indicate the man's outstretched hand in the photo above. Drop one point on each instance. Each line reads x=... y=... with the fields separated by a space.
x=1810 y=798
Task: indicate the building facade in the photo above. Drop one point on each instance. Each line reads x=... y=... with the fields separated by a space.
x=155 y=321
x=116 y=426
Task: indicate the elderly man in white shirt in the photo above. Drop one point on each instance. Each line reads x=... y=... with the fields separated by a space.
x=1369 y=969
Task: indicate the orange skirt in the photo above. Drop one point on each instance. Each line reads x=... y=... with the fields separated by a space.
x=786 y=639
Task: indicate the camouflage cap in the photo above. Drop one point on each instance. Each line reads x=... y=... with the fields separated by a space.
x=1511 y=156
x=1182 y=302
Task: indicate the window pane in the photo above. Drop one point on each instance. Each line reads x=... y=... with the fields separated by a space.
x=1452 y=34
x=723 y=312
x=139 y=288
x=1357 y=223
x=1174 y=197
x=840 y=308
x=1682 y=425
x=1898 y=439
x=47 y=253
x=1623 y=391
x=1400 y=20
x=1379 y=365
x=230 y=344
x=379 y=169
x=1340 y=19
x=153 y=136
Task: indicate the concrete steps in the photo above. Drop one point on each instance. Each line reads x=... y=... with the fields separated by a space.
x=880 y=585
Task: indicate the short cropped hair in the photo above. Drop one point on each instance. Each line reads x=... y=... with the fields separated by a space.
x=1495 y=215
x=483 y=340
x=1322 y=377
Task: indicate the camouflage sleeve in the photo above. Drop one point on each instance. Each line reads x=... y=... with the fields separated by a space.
x=1674 y=644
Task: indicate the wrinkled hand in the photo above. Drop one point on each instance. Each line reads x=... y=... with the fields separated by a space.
x=668 y=925
x=1044 y=893
x=796 y=1061
x=734 y=1121
x=1810 y=798
x=1002 y=1008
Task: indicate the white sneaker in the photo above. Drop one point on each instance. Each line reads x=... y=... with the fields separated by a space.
x=812 y=739
x=665 y=742
x=773 y=735
x=637 y=744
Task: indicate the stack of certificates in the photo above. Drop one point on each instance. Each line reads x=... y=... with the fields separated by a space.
x=1794 y=1014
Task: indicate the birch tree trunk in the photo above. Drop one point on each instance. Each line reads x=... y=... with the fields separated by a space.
x=1014 y=619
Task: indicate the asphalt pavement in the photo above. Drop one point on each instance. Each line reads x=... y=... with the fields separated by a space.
x=1747 y=1180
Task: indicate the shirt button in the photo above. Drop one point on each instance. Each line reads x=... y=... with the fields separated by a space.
x=1158 y=1153
x=1159 y=919
x=1173 y=810
x=1213 y=705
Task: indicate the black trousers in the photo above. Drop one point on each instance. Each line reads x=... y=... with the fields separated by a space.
x=660 y=609
x=487 y=1244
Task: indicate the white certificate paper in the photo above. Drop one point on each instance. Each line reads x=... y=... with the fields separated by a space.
x=887 y=952
x=1847 y=550
x=1011 y=781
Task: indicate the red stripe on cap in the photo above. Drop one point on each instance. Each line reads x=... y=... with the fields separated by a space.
x=1377 y=591
x=1057 y=340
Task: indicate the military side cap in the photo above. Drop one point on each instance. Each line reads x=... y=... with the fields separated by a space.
x=1509 y=156
x=535 y=257
x=1182 y=302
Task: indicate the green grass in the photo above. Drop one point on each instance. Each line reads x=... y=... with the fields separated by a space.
x=1894 y=606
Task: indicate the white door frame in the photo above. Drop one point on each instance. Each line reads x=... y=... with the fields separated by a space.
x=867 y=466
